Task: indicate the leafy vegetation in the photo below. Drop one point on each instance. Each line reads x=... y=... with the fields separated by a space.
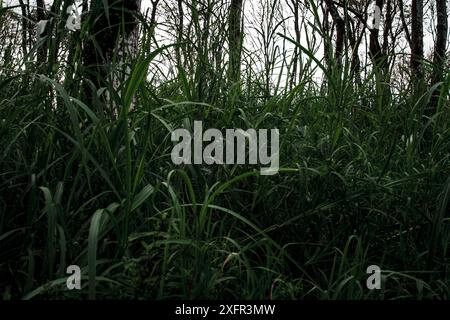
x=86 y=178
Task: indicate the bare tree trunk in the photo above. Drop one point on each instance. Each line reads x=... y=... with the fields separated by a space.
x=387 y=30
x=355 y=61
x=235 y=39
x=85 y=6
x=386 y=63
x=441 y=39
x=404 y=24
x=340 y=31
x=439 y=59
x=295 y=11
x=41 y=16
x=326 y=45
x=180 y=28
x=105 y=35
x=113 y=37
x=24 y=27
x=40 y=10
x=374 y=46
x=153 y=15
x=417 y=40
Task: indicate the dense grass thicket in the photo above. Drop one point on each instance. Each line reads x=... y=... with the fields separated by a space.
x=86 y=178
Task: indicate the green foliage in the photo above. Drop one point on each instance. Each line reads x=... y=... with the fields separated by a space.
x=364 y=180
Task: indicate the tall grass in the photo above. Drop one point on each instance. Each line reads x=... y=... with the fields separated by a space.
x=364 y=181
